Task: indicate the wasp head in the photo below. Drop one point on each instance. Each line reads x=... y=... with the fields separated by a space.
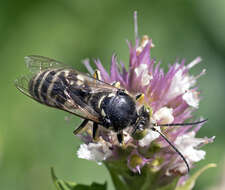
x=143 y=120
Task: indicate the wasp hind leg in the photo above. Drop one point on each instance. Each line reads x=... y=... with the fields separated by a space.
x=81 y=127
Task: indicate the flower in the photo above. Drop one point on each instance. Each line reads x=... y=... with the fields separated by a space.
x=94 y=151
x=172 y=97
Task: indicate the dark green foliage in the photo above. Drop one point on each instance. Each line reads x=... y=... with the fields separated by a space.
x=65 y=185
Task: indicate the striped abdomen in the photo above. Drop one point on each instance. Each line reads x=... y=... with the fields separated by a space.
x=49 y=86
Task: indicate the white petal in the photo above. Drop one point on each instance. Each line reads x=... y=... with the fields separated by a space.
x=187 y=144
x=194 y=155
x=180 y=84
x=83 y=152
x=141 y=68
x=164 y=115
x=94 y=151
x=191 y=98
x=151 y=136
x=194 y=62
x=146 y=77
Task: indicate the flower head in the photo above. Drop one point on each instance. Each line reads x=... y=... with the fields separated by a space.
x=172 y=96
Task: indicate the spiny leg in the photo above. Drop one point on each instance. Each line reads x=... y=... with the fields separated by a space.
x=95 y=131
x=81 y=127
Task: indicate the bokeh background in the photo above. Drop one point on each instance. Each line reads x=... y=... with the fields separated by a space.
x=34 y=137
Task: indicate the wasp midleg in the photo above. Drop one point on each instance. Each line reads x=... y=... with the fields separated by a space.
x=79 y=129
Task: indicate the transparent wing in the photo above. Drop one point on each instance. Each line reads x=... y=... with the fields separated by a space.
x=70 y=89
x=83 y=81
x=77 y=106
x=37 y=63
x=63 y=100
x=22 y=85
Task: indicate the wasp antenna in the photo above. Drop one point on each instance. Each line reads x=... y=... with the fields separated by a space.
x=174 y=147
x=180 y=124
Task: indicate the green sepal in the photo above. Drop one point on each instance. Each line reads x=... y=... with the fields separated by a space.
x=190 y=183
x=65 y=185
x=170 y=186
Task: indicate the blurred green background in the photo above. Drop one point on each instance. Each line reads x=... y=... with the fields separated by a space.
x=34 y=137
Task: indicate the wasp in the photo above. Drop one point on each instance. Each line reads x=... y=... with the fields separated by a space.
x=53 y=84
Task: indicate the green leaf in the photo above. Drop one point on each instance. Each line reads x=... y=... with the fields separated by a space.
x=65 y=185
x=190 y=183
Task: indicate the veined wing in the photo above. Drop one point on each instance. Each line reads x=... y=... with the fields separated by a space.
x=22 y=84
x=58 y=96
x=65 y=79
x=37 y=63
x=80 y=80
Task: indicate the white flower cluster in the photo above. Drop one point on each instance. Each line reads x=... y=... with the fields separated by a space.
x=94 y=151
x=189 y=146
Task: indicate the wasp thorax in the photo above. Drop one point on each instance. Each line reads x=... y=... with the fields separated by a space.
x=120 y=110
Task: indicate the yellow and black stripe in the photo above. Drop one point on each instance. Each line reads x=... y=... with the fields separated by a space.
x=48 y=86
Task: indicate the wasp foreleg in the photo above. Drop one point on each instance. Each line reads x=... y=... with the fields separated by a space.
x=81 y=127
